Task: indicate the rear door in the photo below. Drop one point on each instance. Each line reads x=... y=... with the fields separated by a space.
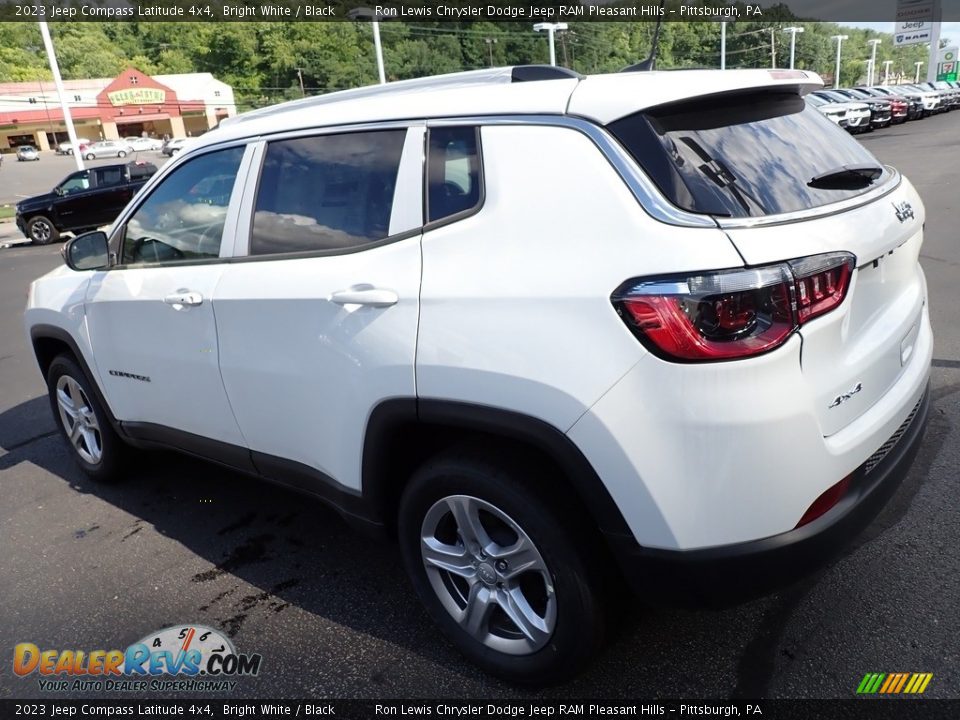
x=319 y=323
x=776 y=177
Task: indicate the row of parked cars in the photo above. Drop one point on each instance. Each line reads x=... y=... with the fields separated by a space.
x=861 y=109
x=121 y=148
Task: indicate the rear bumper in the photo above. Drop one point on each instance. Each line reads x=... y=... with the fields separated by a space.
x=735 y=573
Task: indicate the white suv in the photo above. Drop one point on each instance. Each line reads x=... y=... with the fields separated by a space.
x=550 y=332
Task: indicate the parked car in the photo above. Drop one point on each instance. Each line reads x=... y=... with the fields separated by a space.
x=913 y=102
x=894 y=108
x=84 y=200
x=858 y=115
x=833 y=111
x=107 y=148
x=172 y=146
x=140 y=144
x=26 y=153
x=66 y=148
x=951 y=97
x=932 y=100
x=536 y=405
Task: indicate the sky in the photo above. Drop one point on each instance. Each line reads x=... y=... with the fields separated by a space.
x=949 y=30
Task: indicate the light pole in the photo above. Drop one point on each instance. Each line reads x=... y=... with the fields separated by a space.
x=873 y=58
x=365 y=13
x=723 y=46
x=490 y=43
x=67 y=118
x=919 y=64
x=793 y=41
x=551 y=29
x=836 y=76
x=886 y=71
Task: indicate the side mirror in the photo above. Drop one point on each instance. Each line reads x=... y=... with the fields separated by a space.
x=89 y=251
x=58 y=191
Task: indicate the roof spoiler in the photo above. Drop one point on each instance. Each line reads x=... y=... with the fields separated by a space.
x=533 y=73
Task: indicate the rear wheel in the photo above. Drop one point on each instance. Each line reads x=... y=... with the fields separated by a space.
x=91 y=156
x=504 y=570
x=41 y=231
x=121 y=154
x=84 y=423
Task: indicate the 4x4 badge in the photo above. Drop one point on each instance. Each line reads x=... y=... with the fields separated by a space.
x=903 y=210
x=840 y=399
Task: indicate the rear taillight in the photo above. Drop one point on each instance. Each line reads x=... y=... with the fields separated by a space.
x=731 y=314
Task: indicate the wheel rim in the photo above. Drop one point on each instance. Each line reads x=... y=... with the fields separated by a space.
x=488 y=574
x=40 y=231
x=79 y=420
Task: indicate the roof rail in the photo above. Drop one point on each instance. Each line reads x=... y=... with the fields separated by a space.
x=533 y=73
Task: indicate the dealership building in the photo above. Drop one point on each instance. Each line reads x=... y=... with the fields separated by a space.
x=130 y=105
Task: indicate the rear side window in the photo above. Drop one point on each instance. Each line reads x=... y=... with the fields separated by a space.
x=329 y=192
x=109 y=176
x=743 y=156
x=453 y=182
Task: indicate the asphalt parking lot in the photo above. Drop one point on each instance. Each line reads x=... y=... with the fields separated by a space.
x=90 y=566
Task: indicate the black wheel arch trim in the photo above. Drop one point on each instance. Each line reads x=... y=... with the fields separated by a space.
x=391 y=415
x=41 y=332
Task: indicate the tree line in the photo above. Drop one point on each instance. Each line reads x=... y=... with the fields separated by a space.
x=267 y=62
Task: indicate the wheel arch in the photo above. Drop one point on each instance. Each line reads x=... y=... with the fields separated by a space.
x=48 y=341
x=403 y=432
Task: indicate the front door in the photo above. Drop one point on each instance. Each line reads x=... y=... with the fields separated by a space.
x=151 y=317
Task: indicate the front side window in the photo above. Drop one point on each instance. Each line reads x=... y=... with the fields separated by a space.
x=328 y=192
x=453 y=184
x=183 y=217
x=75 y=183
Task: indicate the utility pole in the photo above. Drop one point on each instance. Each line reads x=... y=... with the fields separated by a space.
x=67 y=118
x=490 y=43
x=303 y=93
x=551 y=29
x=793 y=41
x=836 y=77
x=919 y=64
x=873 y=59
x=886 y=71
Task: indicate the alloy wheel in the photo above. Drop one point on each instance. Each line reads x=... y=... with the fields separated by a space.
x=79 y=420
x=488 y=574
x=40 y=231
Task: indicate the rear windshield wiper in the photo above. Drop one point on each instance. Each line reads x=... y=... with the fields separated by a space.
x=847 y=177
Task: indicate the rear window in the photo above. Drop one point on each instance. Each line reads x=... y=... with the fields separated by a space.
x=742 y=156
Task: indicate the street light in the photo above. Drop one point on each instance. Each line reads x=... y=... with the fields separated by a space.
x=886 y=71
x=873 y=58
x=58 y=80
x=919 y=64
x=551 y=28
x=793 y=41
x=836 y=76
x=365 y=13
x=490 y=43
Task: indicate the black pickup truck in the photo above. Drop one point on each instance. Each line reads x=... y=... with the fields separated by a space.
x=84 y=200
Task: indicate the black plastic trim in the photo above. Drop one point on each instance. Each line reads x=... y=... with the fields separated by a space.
x=52 y=332
x=536 y=73
x=429 y=224
x=735 y=573
x=543 y=436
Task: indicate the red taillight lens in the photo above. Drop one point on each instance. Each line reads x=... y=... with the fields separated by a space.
x=732 y=314
x=830 y=497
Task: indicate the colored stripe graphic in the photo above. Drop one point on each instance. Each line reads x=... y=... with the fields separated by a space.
x=894 y=683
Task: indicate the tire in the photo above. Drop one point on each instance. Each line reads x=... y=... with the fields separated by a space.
x=41 y=231
x=95 y=447
x=91 y=156
x=559 y=594
x=121 y=154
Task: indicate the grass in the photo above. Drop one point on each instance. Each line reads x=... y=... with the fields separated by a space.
x=7 y=211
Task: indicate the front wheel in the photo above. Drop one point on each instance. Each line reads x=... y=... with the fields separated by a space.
x=91 y=156
x=83 y=422
x=121 y=154
x=41 y=231
x=507 y=572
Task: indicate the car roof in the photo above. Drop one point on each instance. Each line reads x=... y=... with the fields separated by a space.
x=505 y=91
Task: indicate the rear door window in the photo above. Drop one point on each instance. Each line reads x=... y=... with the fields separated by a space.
x=326 y=193
x=744 y=155
x=453 y=182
